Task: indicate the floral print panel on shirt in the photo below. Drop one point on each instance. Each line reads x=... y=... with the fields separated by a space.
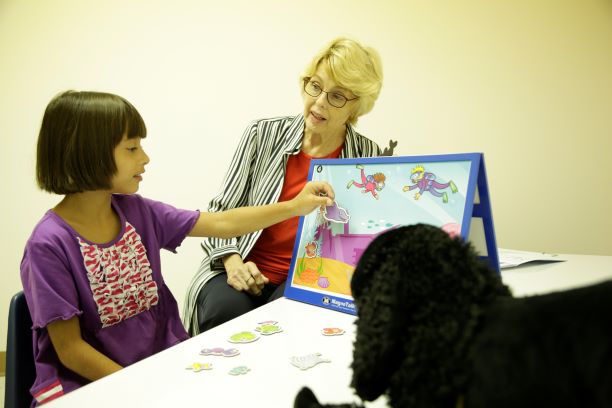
x=120 y=277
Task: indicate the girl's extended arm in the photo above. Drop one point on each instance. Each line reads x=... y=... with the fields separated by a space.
x=239 y=221
x=76 y=354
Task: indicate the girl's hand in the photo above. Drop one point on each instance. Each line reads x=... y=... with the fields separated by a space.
x=244 y=276
x=314 y=194
x=240 y=221
x=75 y=353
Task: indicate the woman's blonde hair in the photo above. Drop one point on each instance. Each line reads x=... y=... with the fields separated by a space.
x=352 y=66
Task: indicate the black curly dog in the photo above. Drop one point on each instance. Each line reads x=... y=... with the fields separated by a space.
x=437 y=328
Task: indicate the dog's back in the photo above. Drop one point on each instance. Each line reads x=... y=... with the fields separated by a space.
x=552 y=350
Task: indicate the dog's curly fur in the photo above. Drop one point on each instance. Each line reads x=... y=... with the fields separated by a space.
x=436 y=325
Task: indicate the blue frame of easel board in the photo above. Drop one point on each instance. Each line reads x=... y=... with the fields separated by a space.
x=377 y=194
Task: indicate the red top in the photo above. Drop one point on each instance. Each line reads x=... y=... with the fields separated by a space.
x=272 y=251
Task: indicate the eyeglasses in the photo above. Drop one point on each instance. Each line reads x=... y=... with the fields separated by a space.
x=335 y=99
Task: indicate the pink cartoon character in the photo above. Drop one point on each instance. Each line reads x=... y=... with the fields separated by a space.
x=370 y=183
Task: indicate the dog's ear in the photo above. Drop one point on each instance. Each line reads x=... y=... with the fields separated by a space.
x=376 y=353
x=306 y=399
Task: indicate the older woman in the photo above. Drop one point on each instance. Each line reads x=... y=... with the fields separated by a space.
x=271 y=164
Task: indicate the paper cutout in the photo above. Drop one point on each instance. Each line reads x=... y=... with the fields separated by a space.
x=268 y=322
x=243 y=337
x=220 y=351
x=195 y=367
x=267 y=329
x=240 y=370
x=308 y=361
x=332 y=331
x=335 y=213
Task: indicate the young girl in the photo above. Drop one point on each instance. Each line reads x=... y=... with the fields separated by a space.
x=91 y=269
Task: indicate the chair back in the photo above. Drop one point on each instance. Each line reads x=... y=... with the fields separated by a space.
x=20 y=368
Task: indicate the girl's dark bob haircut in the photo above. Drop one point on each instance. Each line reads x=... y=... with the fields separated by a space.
x=77 y=139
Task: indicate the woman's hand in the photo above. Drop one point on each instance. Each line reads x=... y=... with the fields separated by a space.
x=244 y=276
x=314 y=194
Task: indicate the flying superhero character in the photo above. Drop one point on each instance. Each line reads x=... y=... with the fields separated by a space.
x=426 y=181
x=370 y=184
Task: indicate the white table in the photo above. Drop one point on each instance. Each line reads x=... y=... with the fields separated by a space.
x=163 y=381
x=541 y=277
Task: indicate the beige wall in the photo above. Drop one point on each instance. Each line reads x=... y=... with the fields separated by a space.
x=527 y=82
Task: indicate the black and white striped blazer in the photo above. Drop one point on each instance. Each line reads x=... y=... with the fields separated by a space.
x=255 y=177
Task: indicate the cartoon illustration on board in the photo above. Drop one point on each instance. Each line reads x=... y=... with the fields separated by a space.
x=330 y=252
x=309 y=271
x=370 y=183
x=443 y=191
x=311 y=249
x=426 y=181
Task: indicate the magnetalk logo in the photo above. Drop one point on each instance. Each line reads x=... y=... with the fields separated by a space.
x=343 y=304
x=338 y=304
